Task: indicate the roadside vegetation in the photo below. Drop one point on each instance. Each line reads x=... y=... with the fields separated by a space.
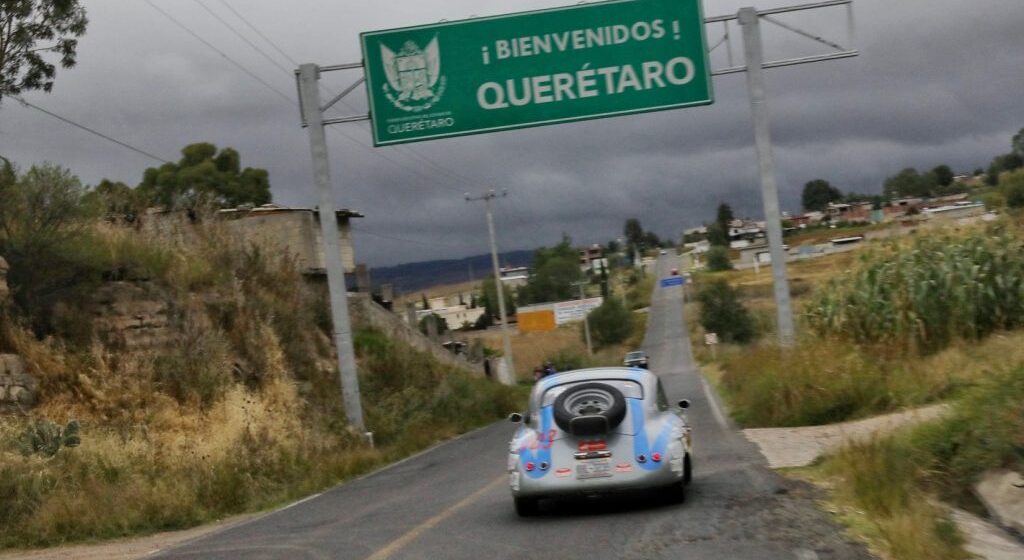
x=236 y=409
x=934 y=316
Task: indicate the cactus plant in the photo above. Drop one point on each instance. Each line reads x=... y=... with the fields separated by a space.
x=45 y=438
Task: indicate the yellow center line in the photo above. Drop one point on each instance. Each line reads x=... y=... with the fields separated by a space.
x=414 y=533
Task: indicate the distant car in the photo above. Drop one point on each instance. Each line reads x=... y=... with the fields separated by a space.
x=636 y=358
x=663 y=252
x=598 y=431
x=675 y=272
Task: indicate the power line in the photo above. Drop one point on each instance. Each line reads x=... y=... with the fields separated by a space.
x=90 y=130
x=405 y=149
x=210 y=45
x=416 y=241
x=242 y=37
x=257 y=31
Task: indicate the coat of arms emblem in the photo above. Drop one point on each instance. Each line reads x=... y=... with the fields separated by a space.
x=414 y=75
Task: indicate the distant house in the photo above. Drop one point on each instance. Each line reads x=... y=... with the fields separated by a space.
x=592 y=258
x=514 y=276
x=274 y=228
x=859 y=212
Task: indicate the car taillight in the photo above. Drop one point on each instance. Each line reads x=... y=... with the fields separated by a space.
x=530 y=466
x=656 y=457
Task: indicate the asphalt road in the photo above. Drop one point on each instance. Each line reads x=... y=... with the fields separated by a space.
x=452 y=501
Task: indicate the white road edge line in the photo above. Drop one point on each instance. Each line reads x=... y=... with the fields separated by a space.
x=716 y=411
x=267 y=514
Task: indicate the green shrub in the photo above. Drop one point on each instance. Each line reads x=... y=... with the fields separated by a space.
x=611 y=323
x=721 y=312
x=718 y=259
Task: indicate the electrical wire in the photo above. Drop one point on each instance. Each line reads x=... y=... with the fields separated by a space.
x=210 y=45
x=66 y=120
x=239 y=34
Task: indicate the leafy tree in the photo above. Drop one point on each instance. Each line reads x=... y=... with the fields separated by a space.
x=32 y=30
x=205 y=176
x=818 y=193
x=721 y=312
x=489 y=300
x=116 y=200
x=943 y=175
x=43 y=219
x=724 y=216
x=718 y=236
x=978 y=171
x=907 y=183
x=1013 y=189
x=442 y=323
x=1017 y=144
x=718 y=259
x=634 y=233
x=611 y=323
x=554 y=271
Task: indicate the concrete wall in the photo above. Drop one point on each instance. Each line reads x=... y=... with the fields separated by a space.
x=17 y=388
x=296 y=232
x=366 y=313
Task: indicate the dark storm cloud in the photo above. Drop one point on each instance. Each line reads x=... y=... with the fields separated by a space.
x=938 y=82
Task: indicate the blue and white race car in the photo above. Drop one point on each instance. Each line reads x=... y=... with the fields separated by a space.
x=597 y=431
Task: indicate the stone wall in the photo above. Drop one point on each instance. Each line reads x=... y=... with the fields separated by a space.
x=366 y=313
x=132 y=316
x=17 y=388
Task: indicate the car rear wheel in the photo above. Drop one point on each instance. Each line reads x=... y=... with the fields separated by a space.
x=527 y=507
x=589 y=409
x=687 y=469
x=675 y=493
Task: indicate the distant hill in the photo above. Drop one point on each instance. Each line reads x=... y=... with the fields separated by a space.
x=413 y=277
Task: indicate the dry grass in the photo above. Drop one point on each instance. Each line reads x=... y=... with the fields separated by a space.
x=240 y=413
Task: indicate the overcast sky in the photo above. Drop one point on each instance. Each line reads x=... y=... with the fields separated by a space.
x=938 y=81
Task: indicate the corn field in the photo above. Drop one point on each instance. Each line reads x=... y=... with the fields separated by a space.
x=925 y=295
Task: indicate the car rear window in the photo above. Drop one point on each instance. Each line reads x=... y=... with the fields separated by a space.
x=629 y=389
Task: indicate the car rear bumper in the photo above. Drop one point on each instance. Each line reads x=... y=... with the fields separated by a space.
x=635 y=478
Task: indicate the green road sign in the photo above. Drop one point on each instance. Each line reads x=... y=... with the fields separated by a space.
x=605 y=59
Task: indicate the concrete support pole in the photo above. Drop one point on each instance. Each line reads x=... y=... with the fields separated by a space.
x=506 y=340
x=586 y=320
x=309 y=76
x=748 y=19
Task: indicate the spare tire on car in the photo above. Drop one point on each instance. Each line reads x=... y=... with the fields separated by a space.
x=589 y=409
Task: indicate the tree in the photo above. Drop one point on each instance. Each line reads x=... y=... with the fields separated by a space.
x=611 y=323
x=441 y=322
x=554 y=271
x=489 y=299
x=724 y=216
x=943 y=175
x=43 y=219
x=818 y=194
x=1013 y=189
x=718 y=259
x=718 y=236
x=906 y=183
x=1017 y=144
x=205 y=176
x=634 y=233
x=32 y=30
x=721 y=312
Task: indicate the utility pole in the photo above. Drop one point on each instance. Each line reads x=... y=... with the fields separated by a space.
x=312 y=115
x=487 y=198
x=586 y=318
x=750 y=21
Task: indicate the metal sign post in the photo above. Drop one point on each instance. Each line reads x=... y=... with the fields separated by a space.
x=766 y=164
x=755 y=65
x=312 y=115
